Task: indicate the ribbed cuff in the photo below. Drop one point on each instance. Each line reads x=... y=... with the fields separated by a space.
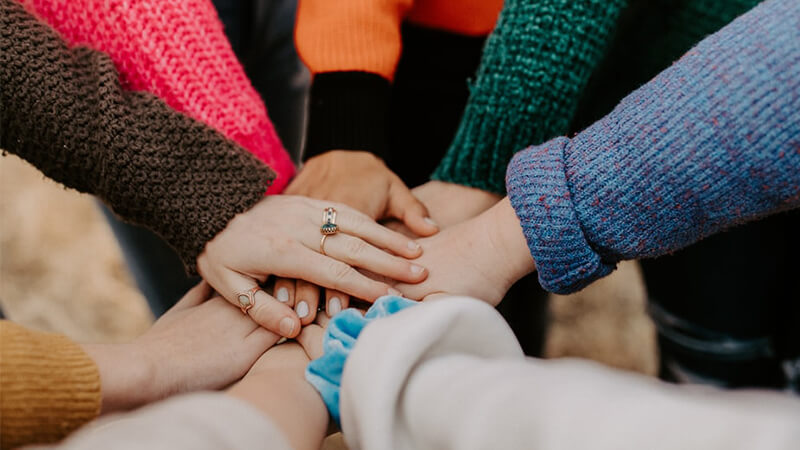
x=347 y=111
x=539 y=192
x=50 y=387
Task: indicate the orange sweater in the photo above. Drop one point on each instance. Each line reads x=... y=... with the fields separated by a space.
x=48 y=386
x=364 y=35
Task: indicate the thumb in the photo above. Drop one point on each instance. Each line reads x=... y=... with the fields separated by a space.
x=405 y=207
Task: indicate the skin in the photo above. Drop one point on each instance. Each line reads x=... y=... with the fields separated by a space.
x=199 y=344
x=481 y=257
x=280 y=236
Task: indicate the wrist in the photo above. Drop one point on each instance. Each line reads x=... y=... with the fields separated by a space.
x=504 y=233
x=126 y=376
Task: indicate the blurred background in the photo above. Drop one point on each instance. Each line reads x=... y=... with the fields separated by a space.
x=61 y=270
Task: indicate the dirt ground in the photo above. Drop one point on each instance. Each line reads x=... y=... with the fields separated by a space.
x=61 y=270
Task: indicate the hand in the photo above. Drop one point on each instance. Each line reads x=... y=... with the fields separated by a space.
x=450 y=203
x=361 y=180
x=276 y=385
x=198 y=344
x=481 y=257
x=305 y=297
x=281 y=236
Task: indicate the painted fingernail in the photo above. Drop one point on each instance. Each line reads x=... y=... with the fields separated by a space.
x=393 y=291
x=283 y=295
x=430 y=221
x=416 y=270
x=287 y=326
x=413 y=245
x=302 y=309
x=334 y=306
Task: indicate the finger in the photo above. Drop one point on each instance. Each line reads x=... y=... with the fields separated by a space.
x=335 y=302
x=322 y=320
x=262 y=338
x=266 y=310
x=358 y=253
x=330 y=273
x=284 y=291
x=306 y=301
x=311 y=340
x=358 y=224
x=407 y=208
x=194 y=296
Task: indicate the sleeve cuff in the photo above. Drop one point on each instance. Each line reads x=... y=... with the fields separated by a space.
x=537 y=186
x=347 y=110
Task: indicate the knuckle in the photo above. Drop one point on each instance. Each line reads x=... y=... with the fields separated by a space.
x=340 y=272
x=355 y=248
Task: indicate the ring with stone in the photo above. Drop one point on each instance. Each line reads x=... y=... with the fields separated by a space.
x=247 y=298
x=329 y=222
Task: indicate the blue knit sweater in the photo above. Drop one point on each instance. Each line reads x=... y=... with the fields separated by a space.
x=711 y=142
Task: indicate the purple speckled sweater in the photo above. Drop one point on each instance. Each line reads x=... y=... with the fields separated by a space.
x=711 y=142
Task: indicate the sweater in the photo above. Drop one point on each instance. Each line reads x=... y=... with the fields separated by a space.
x=178 y=51
x=64 y=111
x=553 y=66
x=48 y=386
x=352 y=48
x=711 y=142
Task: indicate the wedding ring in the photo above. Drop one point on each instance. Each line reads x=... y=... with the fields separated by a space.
x=247 y=298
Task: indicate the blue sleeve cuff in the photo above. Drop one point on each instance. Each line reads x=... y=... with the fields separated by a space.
x=325 y=373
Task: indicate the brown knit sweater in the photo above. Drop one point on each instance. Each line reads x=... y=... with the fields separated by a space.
x=63 y=111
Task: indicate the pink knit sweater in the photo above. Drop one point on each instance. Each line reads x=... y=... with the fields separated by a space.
x=177 y=50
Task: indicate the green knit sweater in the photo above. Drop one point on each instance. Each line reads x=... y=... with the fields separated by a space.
x=552 y=63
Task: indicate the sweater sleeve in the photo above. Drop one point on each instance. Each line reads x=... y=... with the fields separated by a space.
x=535 y=65
x=711 y=142
x=449 y=374
x=178 y=51
x=48 y=386
x=63 y=111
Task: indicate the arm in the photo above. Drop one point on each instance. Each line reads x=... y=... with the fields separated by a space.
x=709 y=143
x=178 y=51
x=534 y=68
x=64 y=111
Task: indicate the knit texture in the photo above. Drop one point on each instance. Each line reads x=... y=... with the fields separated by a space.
x=535 y=65
x=64 y=111
x=178 y=51
x=712 y=142
x=48 y=386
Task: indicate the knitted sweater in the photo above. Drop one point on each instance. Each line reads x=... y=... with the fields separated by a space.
x=178 y=51
x=48 y=386
x=352 y=48
x=63 y=110
x=711 y=142
x=544 y=69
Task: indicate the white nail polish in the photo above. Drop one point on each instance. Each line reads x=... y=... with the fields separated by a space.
x=416 y=270
x=413 y=245
x=334 y=306
x=283 y=295
x=302 y=309
x=430 y=221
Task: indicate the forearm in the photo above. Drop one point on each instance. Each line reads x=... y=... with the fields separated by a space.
x=64 y=112
x=709 y=143
x=125 y=376
x=179 y=52
x=531 y=97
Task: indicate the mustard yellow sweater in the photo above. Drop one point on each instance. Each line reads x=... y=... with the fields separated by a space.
x=48 y=386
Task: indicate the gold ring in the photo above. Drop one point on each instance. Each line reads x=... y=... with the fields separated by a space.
x=329 y=222
x=322 y=244
x=247 y=299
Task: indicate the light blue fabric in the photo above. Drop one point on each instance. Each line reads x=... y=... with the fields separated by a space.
x=325 y=373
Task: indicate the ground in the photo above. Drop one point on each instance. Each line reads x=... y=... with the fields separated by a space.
x=61 y=270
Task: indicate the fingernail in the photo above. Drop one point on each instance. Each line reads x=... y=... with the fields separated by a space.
x=416 y=270
x=334 y=306
x=430 y=221
x=413 y=245
x=283 y=295
x=302 y=309
x=393 y=291
x=287 y=326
